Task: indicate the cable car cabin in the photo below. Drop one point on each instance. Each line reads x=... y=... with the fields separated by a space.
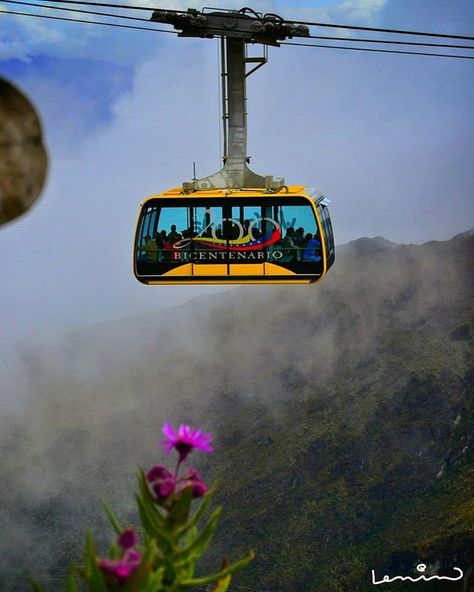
x=233 y=237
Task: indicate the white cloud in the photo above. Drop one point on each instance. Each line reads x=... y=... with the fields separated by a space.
x=352 y=12
x=14 y=49
x=360 y=11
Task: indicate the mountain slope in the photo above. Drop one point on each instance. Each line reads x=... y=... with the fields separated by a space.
x=369 y=463
x=342 y=413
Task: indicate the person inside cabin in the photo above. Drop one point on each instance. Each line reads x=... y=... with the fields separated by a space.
x=299 y=237
x=287 y=246
x=167 y=246
x=150 y=249
x=235 y=232
x=187 y=238
x=311 y=250
x=300 y=240
x=173 y=235
x=159 y=246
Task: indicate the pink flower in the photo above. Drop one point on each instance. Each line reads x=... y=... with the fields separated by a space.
x=123 y=568
x=158 y=472
x=185 y=440
x=193 y=479
x=128 y=538
x=164 y=487
x=162 y=481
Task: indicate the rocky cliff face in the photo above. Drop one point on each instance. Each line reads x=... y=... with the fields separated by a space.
x=342 y=413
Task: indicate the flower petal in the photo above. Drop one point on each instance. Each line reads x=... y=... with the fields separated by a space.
x=128 y=538
x=168 y=431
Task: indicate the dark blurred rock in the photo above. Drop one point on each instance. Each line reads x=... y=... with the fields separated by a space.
x=23 y=159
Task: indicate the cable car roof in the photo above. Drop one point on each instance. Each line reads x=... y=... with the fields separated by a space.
x=310 y=192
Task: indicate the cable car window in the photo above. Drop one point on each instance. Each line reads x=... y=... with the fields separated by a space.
x=327 y=226
x=149 y=222
x=147 y=247
x=173 y=222
x=248 y=235
x=247 y=219
x=300 y=237
x=160 y=228
x=207 y=221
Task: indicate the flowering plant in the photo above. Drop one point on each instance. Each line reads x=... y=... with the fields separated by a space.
x=171 y=544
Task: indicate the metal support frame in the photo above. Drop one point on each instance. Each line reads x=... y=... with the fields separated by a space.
x=260 y=61
x=236 y=29
x=235 y=173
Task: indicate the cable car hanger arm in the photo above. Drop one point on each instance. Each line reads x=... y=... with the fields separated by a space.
x=236 y=29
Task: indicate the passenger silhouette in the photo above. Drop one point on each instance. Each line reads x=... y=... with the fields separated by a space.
x=287 y=246
x=309 y=253
x=150 y=249
x=173 y=235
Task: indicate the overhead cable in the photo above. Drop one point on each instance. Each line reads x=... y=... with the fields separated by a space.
x=61 y=18
x=307 y=23
x=386 y=41
x=378 y=30
x=109 y=5
x=418 y=53
x=325 y=38
x=82 y=11
x=121 y=26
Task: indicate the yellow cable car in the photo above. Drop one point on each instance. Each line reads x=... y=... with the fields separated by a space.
x=235 y=226
x=217 y=236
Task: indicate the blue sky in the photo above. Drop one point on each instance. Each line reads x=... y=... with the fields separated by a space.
x=388 y=138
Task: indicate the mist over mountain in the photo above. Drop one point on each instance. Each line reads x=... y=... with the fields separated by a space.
x=366 y=246
x=342 y=414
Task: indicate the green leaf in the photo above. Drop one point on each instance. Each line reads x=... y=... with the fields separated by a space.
x=169 y=573
x=113 y=520
x=94 y=576
x=144 y=519
x=180 y=511
x=147 y=497
x=115 y=552
x=235 y=567
x=153 y=528
x=223 y=585
x=155 y=525
x=155 y=581
x=203 y=506
x=71 y=584
x=141 y=576
x=202 y=541
x=191 y=536
x=151 y=553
